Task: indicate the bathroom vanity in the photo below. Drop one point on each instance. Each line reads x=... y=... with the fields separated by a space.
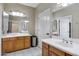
x=57 y=48
x=48 y=50
x=15 y=42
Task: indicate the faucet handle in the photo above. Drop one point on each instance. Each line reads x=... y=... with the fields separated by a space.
x=70 y=42
x=64 y=40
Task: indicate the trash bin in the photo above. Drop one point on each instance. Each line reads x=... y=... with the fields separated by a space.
x=34 y=41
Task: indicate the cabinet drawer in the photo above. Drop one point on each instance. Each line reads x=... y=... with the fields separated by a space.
x=56 y=51
x=13 y=38
x=20 y=37
x=27 y=37
x=45 y=45
x=5 y=39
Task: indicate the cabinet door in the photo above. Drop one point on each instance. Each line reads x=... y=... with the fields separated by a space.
x=56 y=51
x=19 y=43
x=4 y=44
x=7 y=46
x=44 y=49
x=27 y=42
x=45 y=45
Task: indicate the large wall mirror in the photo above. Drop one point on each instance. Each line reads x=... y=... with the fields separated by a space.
x=14 y=22
x=62 y=26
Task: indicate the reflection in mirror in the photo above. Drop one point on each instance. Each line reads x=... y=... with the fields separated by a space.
x=62 y=26
x=69 y=29
x=14 y=22
x=65 y=26
x=5 y=21
x=55 y=27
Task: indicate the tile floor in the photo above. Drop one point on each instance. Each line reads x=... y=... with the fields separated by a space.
x=34 y=51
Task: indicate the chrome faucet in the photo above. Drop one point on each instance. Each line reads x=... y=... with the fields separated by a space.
x=64 y=40
x=70 y=42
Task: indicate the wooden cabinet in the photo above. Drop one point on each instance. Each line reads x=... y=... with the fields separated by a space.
x=56 y=51
x=27 y=42
x=44 y=49
x=48 y=50
x=19 y=43
x=15 y=43
x=7 y=45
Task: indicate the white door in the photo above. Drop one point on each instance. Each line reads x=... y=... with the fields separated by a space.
x=44 y=25
x=64 y=27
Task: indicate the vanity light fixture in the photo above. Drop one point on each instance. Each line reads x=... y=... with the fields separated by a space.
x=17 y=14
x=26 y=21
x=64 y=4
x=5 y=14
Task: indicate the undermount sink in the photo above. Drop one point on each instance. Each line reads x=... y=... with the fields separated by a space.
x=60 y=42
x=65 y=44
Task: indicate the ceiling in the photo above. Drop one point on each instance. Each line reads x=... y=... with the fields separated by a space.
x=34 y=5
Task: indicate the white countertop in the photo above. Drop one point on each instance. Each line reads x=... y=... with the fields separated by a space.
x=15 y=35
x=73 y=50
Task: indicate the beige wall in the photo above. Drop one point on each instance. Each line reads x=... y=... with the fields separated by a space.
x=74 y=11
x=29 y=11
